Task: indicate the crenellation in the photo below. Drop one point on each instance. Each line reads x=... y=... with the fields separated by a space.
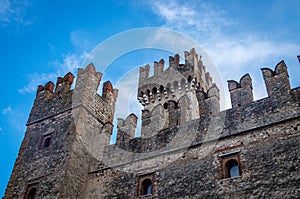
x=108 y=93
x=209 y=102
x=174 y=61
x=277 y=82
x=240 y=92
x=45 y=92
x=159 y=67
x=191 y=58
x=144 y=72
x=63 y=84
x=126 y=128
x=208 y=79
x=49 y=103
x=213 y=99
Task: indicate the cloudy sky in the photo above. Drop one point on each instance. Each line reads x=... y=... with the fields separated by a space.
x=41 y=40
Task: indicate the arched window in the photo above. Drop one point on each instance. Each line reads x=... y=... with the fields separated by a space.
x=146 y=187
x=31 y=193
x=154 y=90
x=46 y=143
x=232 y=168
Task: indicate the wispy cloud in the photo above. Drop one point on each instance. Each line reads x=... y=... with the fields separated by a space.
x=14 y=12
x=79 y=40
x=234 y=53
x=7 y=110
x=69 y=63
x=186 y=16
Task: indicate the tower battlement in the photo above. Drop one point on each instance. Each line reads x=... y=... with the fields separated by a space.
x=174 y=87
x=51 y=100
x=173 y=82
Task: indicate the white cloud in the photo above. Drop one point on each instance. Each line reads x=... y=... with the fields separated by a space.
x=79 y=39
x=37 y=79
x=7 y=110
x=186 y=16
x=234 y=53
x=244 y=55
x=69 y=63
x=14 y=12
x=127 y=98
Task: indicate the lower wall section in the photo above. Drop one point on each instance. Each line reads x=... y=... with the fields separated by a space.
x=268 y=159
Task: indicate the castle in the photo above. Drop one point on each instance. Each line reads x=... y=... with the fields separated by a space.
x=188 y=148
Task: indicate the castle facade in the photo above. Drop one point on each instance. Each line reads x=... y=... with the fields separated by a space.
x=188 y=148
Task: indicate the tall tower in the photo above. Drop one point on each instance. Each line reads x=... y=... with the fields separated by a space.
x=54 y=158
x=175 y=95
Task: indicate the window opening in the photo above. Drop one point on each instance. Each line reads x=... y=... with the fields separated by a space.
x=31 y=191
x=47 y=142
x=232 y=168
x=147 y=187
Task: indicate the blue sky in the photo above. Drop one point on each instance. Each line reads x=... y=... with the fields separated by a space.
x=40 y=40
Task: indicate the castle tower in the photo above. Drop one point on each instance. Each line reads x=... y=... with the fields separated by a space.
x=169 y=96
x=54 y=147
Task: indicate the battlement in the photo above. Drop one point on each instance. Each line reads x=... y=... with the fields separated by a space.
x=51 y=100
x=209 y=102
x=277 y=81
x=126 y=128
x=240 y=92
x=175 y=87
x=246 y=115
x=174 y=82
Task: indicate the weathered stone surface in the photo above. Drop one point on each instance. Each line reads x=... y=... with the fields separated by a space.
x=186 y=145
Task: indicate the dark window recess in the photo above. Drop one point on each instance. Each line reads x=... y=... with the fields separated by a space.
x=166 y=105
x=232 y=168
x=46 y=141
x=147 y=187
x=31 y=192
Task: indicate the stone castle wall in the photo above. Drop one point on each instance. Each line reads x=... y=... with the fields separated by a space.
x=184 y=150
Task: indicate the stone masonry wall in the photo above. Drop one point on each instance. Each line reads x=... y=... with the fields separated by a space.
x=270 y=165
x=36 y=164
